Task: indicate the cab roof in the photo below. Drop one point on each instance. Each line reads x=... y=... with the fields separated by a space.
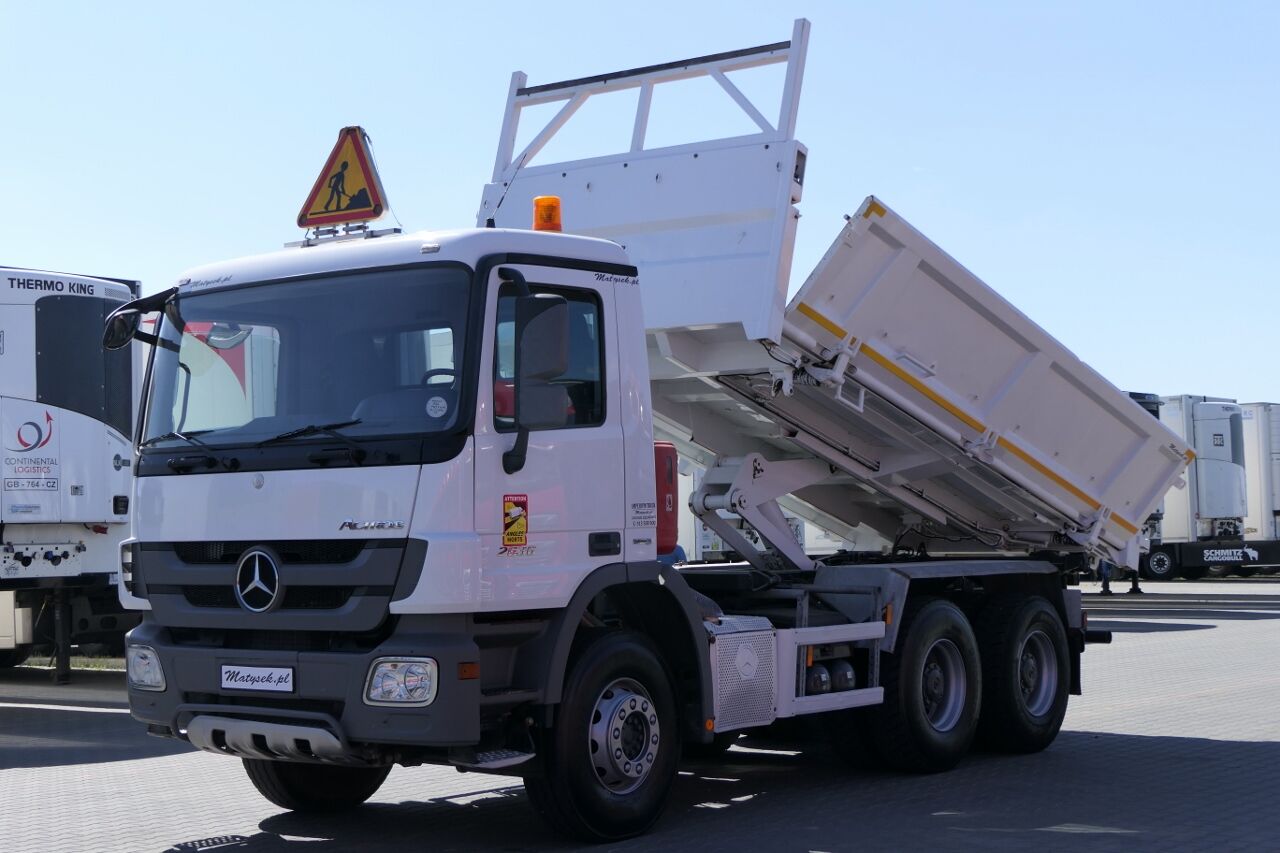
x=466 y=246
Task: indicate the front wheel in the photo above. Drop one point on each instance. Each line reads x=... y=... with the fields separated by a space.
x=1160 y=567
x=932 y=692
x=604 y=769
x=314 y=787
x=1025 y=673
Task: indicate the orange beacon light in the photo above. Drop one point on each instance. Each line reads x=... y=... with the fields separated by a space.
x=546 y=213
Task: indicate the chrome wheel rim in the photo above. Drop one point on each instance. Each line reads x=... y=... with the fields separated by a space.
x=943 y=686
x=1037 y=673
x=623 y=737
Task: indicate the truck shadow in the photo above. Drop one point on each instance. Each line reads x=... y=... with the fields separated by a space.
x=1094 y=792
x=50 y=736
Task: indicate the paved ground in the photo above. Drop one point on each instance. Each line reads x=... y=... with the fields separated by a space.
x=1175 y=746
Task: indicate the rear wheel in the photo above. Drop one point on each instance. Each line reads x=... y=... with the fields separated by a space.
x=10 y=658
x=932 y=692
x=1160 y=566
x=314 y=787
x=1025 y=673
x=604 y=769
x=1219 y=571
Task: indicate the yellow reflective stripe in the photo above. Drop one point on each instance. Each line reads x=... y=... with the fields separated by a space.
x=1126 y=525
x=1048 y=472
x=874 y=208
x=1191 y=455
x=915 y=383
x=822 y=321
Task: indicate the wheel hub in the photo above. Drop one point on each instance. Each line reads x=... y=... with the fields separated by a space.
x=1038 y=674
x=624 y=736
x=943 y=685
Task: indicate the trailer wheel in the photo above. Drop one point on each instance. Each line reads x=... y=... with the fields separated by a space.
x=314 y=787
x=1160 y=566
x=1218 y=571
x=10 y=658
x=932 y=692
x=1025 y=673
x=604 y=769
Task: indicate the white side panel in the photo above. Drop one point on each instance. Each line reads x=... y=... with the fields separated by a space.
x=1262 y=465
x=18 y=351
x=710 y=228
x=933 y=340
x=267 y=505
x=1179 y=524
x=8 y=621
x=444 y=516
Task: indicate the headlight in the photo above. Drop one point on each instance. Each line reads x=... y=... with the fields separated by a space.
x=143 y=664
x=401 y=681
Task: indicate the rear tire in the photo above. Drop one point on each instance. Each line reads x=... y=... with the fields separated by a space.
x=1026 y=672
x=1160 y=566
x=601 y=782
x=10 y=658
x=302 y=787
x=932 y=692
x=1218 y=571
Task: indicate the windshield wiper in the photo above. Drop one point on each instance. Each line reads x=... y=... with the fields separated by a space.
x=354 y=449
x=188 y=437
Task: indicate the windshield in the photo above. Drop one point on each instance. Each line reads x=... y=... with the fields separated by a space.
x=376 y=353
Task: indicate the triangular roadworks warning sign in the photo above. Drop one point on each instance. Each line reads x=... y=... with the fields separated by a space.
x=348 y=190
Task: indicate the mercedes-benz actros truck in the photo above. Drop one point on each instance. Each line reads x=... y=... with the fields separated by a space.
x=398 y=499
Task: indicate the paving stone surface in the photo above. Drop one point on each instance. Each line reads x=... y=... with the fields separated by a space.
x=1175 y=746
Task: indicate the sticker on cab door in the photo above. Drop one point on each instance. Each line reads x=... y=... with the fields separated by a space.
x=515 y=520
x=437 y=407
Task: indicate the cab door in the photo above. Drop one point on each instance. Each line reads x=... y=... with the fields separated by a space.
x=546 y=526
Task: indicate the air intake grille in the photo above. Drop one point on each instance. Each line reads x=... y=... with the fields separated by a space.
x=298 y=551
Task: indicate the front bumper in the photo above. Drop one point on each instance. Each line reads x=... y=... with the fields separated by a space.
x=327 y=699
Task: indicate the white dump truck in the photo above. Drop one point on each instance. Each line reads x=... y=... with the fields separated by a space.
x=426 y=529
x=66 y=416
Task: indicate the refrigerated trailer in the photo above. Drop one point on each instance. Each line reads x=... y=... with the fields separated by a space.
x=1261 y=429
x=432 y=537
x=1201 y=530
x=66 y=415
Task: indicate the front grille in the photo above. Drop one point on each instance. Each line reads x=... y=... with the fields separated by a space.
x=311 y=551
x=295 y=597
x=282 y=641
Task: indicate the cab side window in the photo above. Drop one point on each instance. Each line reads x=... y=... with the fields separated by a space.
x=581 y=386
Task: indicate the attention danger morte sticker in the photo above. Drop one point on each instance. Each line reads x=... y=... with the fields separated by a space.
x=515 y=519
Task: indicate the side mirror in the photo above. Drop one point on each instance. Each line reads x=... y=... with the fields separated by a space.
x=542 y=354
x=121 y=327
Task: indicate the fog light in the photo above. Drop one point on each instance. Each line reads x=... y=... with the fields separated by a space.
x=401 y=681
x=143 y=664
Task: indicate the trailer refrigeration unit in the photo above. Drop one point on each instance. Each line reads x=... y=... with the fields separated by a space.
x=66 y=415
x=426 y=529
x=1202 y=523
x=1261 y=427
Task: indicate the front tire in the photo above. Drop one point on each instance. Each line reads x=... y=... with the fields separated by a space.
x=1025 y=674
x=302 y=787
x=932 y=692
x=1160 y=566
x=599 y=780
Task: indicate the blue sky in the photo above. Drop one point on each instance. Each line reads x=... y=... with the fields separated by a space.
x=1110 y=168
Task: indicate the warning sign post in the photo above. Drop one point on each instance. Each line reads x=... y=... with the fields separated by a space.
x=348 y=189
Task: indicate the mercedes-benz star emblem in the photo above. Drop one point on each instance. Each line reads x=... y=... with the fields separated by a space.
x=257 y=581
